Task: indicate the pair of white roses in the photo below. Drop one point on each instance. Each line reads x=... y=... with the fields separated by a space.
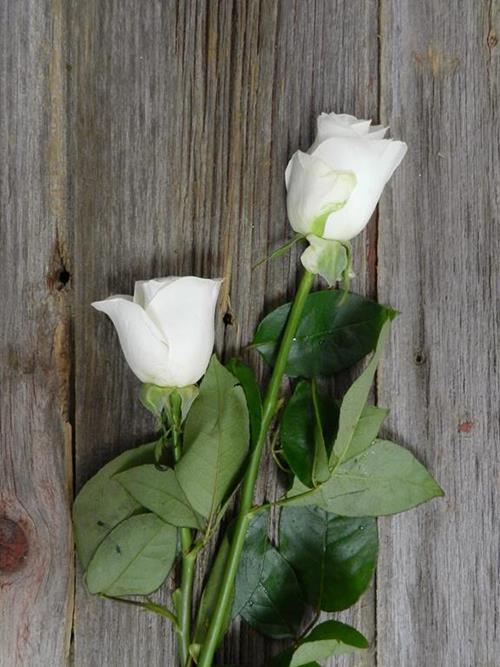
x=166 y=329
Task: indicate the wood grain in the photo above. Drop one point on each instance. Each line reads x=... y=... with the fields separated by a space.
x=183 y=116
x=120 y=148
x=438 y=585
x=36 y=579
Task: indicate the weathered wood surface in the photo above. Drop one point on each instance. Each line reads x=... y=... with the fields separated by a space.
x=36 y=553
x=439 y=243
x=145 y=139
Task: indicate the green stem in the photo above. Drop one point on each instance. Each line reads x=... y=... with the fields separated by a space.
x=188 y=564
x=244 y=514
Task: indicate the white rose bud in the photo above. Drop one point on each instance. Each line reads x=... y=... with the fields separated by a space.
x=315 y=190
x=167 y=329
x=345 y=148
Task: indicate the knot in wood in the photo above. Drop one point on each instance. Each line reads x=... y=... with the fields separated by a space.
x=13 y=546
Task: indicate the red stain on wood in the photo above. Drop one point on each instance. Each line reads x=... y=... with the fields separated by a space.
x=465 y=427
x=13 y=546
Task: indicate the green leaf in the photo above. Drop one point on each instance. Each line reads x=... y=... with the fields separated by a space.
x=246 y=378
x=384 y=479
x=328 y=639
x=267 y=594
x=334 y=333
x=134 y=559
x=366 y=430
x=320 y=464
x=298 y=428
x=210 y=593
x=276 y=607
x=159 y=492
x=354 y=401
x=334 y=557
x=103 y=503
x=216 y=439
x=283 y=659
x=252 y=562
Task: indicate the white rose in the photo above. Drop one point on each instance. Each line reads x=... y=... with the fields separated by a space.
x=344 y=146
x=167 y=329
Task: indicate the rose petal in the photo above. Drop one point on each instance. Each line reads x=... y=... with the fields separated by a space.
x=143 y=345
x=183 y=310
x=145 y=290
x=373 y=163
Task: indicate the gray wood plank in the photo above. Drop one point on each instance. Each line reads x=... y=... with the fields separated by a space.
x=122 y=89
x=36 y=568
x=438 y=585
x=183 y=115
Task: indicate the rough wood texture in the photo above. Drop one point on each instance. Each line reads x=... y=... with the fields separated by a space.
x=36 y=575
x=150 y=138
x=120 y=152
x=438 y=584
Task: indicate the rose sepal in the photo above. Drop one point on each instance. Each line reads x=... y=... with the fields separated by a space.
x=329 y=259
x=164 y=402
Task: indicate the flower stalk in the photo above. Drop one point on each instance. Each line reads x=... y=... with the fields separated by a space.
x=184 y=595
x=244 y=513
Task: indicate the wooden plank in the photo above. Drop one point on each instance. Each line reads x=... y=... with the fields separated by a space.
x=183 y=116
x=36 y=554
x=120 y=149
x=438 y=584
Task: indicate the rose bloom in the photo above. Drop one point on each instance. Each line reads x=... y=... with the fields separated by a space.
x=334 y=188
x=166 y=329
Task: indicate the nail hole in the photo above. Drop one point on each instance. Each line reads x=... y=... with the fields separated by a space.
x=62 y=279
x=420 y=358
x=228 y=319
